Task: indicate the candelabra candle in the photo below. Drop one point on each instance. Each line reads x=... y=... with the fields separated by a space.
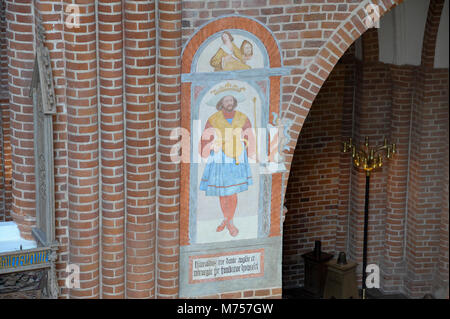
x=369 y=158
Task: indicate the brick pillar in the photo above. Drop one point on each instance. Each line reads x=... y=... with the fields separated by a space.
x=356 y=220
x=372 y=119
x=140 y=52
x=441 y=280
x=2 y=181
x=51 y=16
x=345 y=164
x=112 y=147
x=82 y=109
x=169 y=80
x=4 y=109
x=425 y=199
x=428 y=135
x=20 y=66
x=315 y=193
x=438 y=98
x=393 y=262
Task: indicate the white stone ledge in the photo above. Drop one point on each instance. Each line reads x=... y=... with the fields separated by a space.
x=10 y=239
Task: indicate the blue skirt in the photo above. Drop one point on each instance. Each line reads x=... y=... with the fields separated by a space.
x=223 y=177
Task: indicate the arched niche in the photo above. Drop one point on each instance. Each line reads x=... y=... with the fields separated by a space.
x=224 y=248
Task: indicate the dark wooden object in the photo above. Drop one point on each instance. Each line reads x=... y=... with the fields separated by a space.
x=315 y=271
x=341 y=281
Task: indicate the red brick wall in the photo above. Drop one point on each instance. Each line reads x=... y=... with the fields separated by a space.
x=110 y=41
x=373 y=119
x=314 y=193
x=83 y=149
x=54 y=27
x=270 y=293
x=169 y=96
x=345 y=165
x=425 y=199
x=116 y=192
x=6 y=165
x=393 y=265
x=424 y=238
x=441 y=280
x=55 y=43
x=3 y=109
x=140 y=70
x=20 y=37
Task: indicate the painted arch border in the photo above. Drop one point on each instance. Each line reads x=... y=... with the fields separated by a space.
x=260 y=31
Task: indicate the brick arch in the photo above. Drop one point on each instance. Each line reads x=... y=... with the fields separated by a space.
x=298 y=108
x=393 y=249
x=324 y=62
x=231 y=22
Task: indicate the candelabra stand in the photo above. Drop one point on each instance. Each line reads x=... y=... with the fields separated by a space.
x=368 y=159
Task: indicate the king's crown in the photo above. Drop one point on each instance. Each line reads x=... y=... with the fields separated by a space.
x=228 y=87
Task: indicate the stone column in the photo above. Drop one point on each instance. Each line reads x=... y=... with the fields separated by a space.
x=110 y=51
x=169 y=103
x=140 y=53
x=393 y=262
x=83 y=154
x=20 y=41
x=426 y=180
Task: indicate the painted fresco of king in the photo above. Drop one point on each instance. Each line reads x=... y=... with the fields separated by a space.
x=226 y=143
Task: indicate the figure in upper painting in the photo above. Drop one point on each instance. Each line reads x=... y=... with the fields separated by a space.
x=247 y=53
x=229 y=57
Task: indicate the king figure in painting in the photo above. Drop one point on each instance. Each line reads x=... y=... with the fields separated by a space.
x=227 y=143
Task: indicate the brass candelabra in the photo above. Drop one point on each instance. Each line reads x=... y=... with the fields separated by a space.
x=368 y=159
